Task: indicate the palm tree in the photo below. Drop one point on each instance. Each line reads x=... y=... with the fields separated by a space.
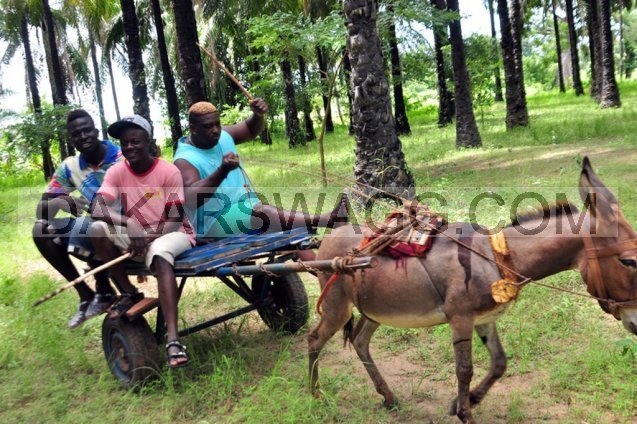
x=609 y=95
x=190 y=64
x=172 y=102
x=14 y=28
x=320 y=9
x=347 y=71
x=305 y=101
x=379 y=157
x=45 y=144
x=558 y=48
x=58 y=86
x=135 y=60
x=467 y=134
x=292 y=128
x=446 y=105
x=595 y=46
x=572 y=37
x=58 y=82
x=517 y=113
x=496 y=71
x=95 y=16
x=402 y=123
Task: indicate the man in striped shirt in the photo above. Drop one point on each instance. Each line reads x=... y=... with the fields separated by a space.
x=56 y=237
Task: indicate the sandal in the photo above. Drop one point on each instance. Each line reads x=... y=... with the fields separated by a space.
x=125 y=302
x=80 y=316
x=99 y=304
x=181 y=357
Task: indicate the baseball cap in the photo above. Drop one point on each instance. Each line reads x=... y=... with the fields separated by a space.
x=131 y=121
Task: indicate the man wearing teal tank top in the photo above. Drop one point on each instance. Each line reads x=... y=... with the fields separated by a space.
x=219 y=201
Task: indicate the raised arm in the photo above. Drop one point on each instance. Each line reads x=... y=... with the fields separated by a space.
x=251 y=127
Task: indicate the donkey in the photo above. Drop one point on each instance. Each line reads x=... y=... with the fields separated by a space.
x=453 y=283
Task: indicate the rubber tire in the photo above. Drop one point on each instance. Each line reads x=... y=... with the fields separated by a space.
x=288 y=312
x=131 y=350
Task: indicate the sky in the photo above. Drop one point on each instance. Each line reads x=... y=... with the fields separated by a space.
x=475 y=19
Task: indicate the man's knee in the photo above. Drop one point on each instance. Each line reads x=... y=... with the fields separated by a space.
x=97 y=229
x=39 y=231
x=160 y=265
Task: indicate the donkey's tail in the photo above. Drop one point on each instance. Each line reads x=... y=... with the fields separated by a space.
x=348 y=331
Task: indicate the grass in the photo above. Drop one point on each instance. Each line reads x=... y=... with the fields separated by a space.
x=568 y=361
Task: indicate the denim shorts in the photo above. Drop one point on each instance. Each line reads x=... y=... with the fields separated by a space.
x=72 y=233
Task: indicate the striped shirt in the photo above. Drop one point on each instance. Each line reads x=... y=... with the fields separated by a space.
x=75 y=173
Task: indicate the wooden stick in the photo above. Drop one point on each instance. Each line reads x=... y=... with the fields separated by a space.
x=82 y=278
x=228 y=73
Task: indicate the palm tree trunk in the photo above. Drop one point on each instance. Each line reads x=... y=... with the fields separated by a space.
x=496 y=71
x=62 y=144
x=400 y=113
x=467 y=134
x=558 y=49
x=292 y=129
x=98 y=85
x=517 y=114
x=572 y=37
x=594 y=45
x=265 y=132
x=167 y=74
x=58 y=86
x=322 y=63
x=609 y=96
x=109 y=63
x=57 y=81
x=516 y=33
x=45 y=143
x=190 y=65
x=136 y=68
x=380 y=161
x=446 y=105
x=621 y=39
x=305 y=101
x=347 y=69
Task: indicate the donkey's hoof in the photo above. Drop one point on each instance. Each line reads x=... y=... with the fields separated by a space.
x=453 y=408
x=391 y=404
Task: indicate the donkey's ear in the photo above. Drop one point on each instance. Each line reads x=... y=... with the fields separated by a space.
x=595 y=194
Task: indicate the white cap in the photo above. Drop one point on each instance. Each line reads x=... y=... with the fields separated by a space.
x=116 y=128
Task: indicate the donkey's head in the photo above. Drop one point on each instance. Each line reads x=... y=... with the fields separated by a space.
x=609 y=265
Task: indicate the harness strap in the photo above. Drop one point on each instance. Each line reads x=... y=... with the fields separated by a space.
x=507 y=288
x=614 y=249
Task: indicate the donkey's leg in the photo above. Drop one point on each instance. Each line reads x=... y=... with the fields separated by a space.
x=364 y=331
x=489 y=335
x=337 y=311
x=462 y=330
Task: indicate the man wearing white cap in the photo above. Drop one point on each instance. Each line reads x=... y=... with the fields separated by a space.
x=151 y=225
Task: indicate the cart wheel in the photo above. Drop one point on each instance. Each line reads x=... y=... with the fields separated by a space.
x=286 y=305
x=130 y=349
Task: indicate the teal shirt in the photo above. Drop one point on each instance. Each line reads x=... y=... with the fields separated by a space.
x=227 y=212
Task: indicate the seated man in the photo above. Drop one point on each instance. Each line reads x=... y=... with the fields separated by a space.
x=151 y=225
x=55 y=237
x=219 y=200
